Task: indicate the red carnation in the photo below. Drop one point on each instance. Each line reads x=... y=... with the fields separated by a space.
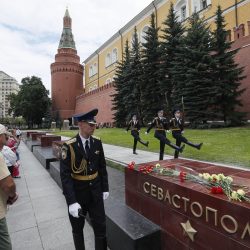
x=214 y=190
x=219 y=190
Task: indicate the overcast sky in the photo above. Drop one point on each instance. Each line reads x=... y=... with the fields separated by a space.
x=30 y=30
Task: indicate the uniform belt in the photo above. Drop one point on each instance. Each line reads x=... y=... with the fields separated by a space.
x=176 y=129
x=159 y=129
x=84 y=177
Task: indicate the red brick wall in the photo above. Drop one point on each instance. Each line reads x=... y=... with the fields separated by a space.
x=243 y=59
x=99 y=98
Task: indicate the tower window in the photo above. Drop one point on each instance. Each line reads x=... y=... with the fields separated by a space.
x=114 y=55
x=203 y=4
x=108 y=60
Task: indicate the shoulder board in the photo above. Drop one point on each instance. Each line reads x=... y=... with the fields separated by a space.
x=70 y=141
x=95 y=137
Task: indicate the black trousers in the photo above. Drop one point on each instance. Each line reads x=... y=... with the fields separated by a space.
x=94 y=206
x=136 y=136
x=161 y=136
x=179 y=139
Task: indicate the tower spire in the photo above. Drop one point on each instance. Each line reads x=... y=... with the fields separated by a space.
x=67 y=39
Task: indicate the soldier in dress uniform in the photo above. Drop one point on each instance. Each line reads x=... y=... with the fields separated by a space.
x=161 y=124
x=135 y=127
x=85 y=181
x=177 y=127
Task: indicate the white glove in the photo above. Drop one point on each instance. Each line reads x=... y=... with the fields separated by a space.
x=74 y=209
x=168 y=131
x=182 y=132
x=105 y=195
x=146 y=133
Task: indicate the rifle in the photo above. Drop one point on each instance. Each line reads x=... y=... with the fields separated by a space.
x=168 y=111
x=183 y=110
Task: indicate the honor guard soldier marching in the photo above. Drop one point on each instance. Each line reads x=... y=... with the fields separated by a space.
x=177 y=127
x=135 y=127
x=85 y=181
x=161 y=124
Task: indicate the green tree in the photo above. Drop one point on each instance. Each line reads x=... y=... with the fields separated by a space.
x=133 y=97
x=228 y=74
x=192 y=73
x=122 y=77
x=152 y=96
x=31 y=102
x=172 y=35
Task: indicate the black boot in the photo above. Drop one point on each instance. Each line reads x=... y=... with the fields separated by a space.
x=134 y=152
x=79 y=241
x=144 y=143
x=100 y=243
x=198 y=146
x=180 y=149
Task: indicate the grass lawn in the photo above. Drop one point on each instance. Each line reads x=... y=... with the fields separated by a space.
x=226 y=145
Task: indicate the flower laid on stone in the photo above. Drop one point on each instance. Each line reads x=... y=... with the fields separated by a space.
x=217 y=183
x=131 y=165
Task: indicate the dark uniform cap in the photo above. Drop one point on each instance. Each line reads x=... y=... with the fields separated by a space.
x=88 y=117
x=175 y=110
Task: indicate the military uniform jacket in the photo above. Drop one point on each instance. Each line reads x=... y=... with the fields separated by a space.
x=134 y=125
x=159 y=124
x=75 y=162
x=177 y=125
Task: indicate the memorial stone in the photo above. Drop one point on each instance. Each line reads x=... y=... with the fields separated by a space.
x=190 y=216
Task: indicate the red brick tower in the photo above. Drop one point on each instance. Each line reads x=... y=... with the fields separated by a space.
x=66 y=74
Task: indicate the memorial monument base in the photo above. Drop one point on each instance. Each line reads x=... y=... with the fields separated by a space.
x=190 y=216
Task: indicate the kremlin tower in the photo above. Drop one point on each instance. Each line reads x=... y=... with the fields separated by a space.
x=66 y=74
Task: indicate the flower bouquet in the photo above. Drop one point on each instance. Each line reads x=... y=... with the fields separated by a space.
x=216 y=183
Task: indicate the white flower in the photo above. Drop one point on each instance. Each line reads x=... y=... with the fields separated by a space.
x=241 y=192
x=206 y=176
x=221 y=177
x=157 y=165
x=234 y=195
x=229 y=179
x=201 y=175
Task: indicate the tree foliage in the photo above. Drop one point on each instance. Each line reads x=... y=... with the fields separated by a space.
x=227 y=74
x=152 y=95
x=121 y=79
x=135 y=85
x=192 y=72
x=191 y=64
x=172 y=35
x=31 y=102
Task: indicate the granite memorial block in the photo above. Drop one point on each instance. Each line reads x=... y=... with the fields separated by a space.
x=46 y=140
x=190 y=216
x=34 y=136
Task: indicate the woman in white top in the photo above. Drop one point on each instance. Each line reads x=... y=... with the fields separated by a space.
x=9 y=157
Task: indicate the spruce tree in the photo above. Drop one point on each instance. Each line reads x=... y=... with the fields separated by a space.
x=120 y=85
x=192 y=73
x=135 y=84
x=169 y=46
x=228 y=74
x=152 y=96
